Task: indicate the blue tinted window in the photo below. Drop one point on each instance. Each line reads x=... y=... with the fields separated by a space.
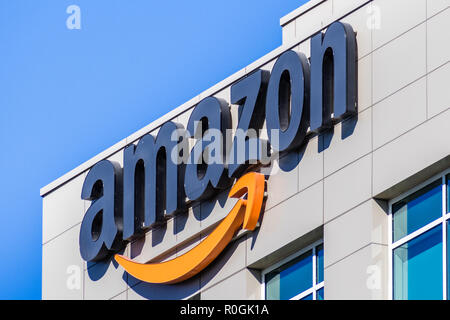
x=290 y=279
x=273 y=286
x=320 y=294
x=297 y=277
x=319 y=265
x=418 y=267
x=448 y=260
x=308 y=297
x=448 y=193
x=417 y=210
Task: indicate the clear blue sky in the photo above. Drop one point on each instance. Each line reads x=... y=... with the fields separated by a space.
x=66 y=95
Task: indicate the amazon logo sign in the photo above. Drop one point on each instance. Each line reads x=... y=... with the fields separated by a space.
x=166 y=174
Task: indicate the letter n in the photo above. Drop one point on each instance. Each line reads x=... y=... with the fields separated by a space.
x=333 y=75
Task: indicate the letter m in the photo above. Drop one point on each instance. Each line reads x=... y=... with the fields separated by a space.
x=152 y=182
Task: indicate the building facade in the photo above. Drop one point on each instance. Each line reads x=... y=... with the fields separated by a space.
x=359 y=211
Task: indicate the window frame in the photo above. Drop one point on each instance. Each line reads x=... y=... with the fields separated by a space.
x=315 y=287
x=442 y=220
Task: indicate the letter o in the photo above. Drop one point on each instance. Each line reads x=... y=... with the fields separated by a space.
x=287 y=102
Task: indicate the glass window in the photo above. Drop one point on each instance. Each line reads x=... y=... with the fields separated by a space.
x=448 y=193
x=289 y=280
x=319 y=265
x=448 y=258
x=418 y=267
x=320 y=294
x=297 y=279
x=420 y=243
x=417 y=210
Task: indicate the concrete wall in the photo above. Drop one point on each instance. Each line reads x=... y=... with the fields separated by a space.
x=335 y=188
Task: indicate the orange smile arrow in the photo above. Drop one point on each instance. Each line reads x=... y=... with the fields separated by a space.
x=245 y=213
